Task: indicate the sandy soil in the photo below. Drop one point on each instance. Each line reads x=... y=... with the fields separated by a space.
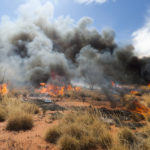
x=28 y=140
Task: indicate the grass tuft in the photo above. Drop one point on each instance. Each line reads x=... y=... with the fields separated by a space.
x=19 y=120
x=67 y=142
x=52 y=134
x=3 y=114
x=127 y=137
x=80 y=131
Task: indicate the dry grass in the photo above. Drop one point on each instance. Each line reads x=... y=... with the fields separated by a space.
x=52 y=134
x=18 y=113
x=118 y=146
x=3 y=114
x=30 y=108
x=127 y=137
x=80 y=131
x=85 y=131
x=67 y=142
x=12 y=103
x=106 y=140
x=19 y=120
x=146 y=99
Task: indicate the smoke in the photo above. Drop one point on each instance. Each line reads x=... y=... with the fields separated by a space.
x=34 y=48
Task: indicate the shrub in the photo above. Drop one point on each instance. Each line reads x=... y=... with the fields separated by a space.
x=74 y=130
x=105 y=140
x=52 y=135
x=127 y=137
x=145 y=145
x=56 y=116
x=81 y=131
x=118 y=147
x=87 y=142
x=67 y=142
x=19 y=121
x=30 y=108
x=3 y=114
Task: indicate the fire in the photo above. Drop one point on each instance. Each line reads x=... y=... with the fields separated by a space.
x=42 y=84
x=77 y=88
x=134 y=92
x=54 y=90
x=113 y=83
x=140 y=108
x=3 y=89
x=148 y=85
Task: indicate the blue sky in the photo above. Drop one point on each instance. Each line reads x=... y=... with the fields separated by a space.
x=124 y=16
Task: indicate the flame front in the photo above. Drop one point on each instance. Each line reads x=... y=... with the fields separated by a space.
x=3 y=89
x=140 y=108
x=54 y=90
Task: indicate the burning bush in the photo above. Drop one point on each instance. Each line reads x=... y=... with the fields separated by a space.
x=19 y=120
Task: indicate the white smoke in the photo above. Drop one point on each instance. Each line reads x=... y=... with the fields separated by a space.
x=91 y=1
x=141 y=40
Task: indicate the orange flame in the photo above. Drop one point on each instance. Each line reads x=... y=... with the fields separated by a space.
x=3 y=89
x=54 y=90
x=134 y=92
x=113 y=83
x=77 y=88
x=42 y=84
x=140 y=108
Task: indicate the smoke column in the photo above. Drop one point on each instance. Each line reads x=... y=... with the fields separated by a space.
x=35 y=46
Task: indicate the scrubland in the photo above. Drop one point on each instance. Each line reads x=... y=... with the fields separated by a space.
x=81 y=125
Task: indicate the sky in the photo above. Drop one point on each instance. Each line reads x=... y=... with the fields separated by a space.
x=130 y=19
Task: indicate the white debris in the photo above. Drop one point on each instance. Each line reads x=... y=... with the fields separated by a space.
x=47 y=101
